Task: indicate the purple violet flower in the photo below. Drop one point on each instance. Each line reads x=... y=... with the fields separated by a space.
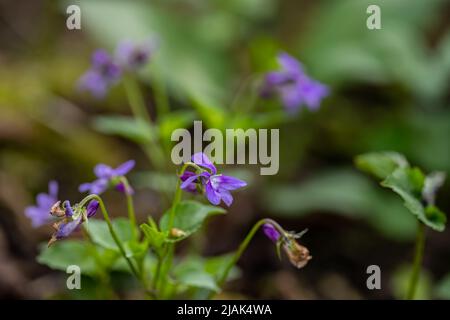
x=40 y=213
x=293 y=86
x=191 y=187
x=92 y=208
x=107 y=176
x=132 y=56
x=104 y=72
x=217 y=187
x=271 y=233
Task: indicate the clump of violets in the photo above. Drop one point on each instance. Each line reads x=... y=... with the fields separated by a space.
x=215 y=186
x=107 y=70
x=40 y=213
x=293 y=86
x=70 y=218
x=298 y=255
x=109 y=177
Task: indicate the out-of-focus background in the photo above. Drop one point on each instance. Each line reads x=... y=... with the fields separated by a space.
x=390 y=91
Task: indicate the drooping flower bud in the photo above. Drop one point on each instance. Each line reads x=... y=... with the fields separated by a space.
x=92 y=208
x=177 y=233
x=271 y=233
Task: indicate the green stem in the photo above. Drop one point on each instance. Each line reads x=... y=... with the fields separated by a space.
x=130 y=207
x=418 y=257
x=243 y=246
x=112 y=232
x=161 y=97
x=136 y=99
x=165 y=261
x=139 y=110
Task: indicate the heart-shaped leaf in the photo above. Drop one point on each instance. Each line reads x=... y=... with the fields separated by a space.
x=408 y=183
x=189 y=217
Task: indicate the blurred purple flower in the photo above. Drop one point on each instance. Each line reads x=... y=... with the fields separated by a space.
x=217 y=187
x=40 y=213
x=132 y=56
x=108 y=176
x=271 y=232
x=104 y=72
x=293 y=86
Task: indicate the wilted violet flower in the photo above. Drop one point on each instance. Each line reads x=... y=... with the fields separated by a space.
x=271 y=232
x=70 y=218
x=217 y=187
x=104 y=72
x=298 y=255
x=132 y=56
x=108 y=176
x=40 y=213
x=293 y=86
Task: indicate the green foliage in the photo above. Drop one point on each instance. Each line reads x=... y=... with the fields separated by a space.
x=189 y=217
x=154 y=237
x=130 y=128
x=408 y=182
x=400 y=283
x=203 y=273
x=69 y=252
x=396 y=53
x=442 y=290
x=99 y=232
x=380 y=164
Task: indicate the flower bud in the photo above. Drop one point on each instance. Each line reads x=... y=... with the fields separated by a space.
x=177 y=233
x=270 y=232
x=92 y=208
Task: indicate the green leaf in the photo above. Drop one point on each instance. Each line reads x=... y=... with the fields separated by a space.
x=126 y=127
x=174 y=120
x=381 y=164
x=192 y=272
x=99 y=232
x=155 y=238
x=406 y=182
x=216 y=266
x=69 y=252
x=442 y=290
x=435 y=215
x=198 y=279
x=189 y=217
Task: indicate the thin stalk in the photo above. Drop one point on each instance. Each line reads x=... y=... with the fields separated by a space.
x=417 y=264
x=113 y=233
x=130 y=207
x=161 y=97
x=243 y=246
x=165 y=261
x=139 y=110
x=137 y=102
